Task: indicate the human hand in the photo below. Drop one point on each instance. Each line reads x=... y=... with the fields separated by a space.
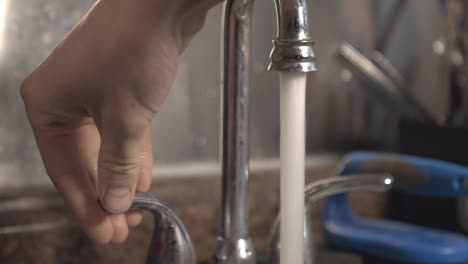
x=91 y=103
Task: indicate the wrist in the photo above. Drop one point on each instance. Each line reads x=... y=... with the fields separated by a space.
x=182 y=18
x=177 y=20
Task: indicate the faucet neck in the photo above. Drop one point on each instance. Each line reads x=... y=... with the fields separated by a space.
x=235 y=245
x=293 y=20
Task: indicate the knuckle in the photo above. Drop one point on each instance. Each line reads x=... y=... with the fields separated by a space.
x=119 y=170
x=124 y=124
x=33 y=102
x=26 y=88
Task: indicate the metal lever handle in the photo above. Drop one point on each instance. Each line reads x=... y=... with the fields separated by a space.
x=321 y=189
x=171 y=243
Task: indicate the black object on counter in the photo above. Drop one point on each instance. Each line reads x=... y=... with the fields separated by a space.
x=443 y=143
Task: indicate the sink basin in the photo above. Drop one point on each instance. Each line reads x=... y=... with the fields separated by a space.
x=54 y=236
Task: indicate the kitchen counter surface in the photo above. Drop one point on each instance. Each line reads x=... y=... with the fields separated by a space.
x=196 y=200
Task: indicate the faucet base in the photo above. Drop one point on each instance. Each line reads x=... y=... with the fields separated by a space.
x=239 y=251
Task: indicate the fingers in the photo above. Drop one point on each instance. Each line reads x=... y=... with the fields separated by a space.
x=146 y=163
x=118 y=173
x=68 y=155
x=123 y=130
x=71 y=162
x=120 y=225
x=134 y=217
x=84 y=204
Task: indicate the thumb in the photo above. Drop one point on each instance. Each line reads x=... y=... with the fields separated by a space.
x=119 y=166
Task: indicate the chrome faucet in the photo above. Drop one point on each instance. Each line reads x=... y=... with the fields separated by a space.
x=293 y=50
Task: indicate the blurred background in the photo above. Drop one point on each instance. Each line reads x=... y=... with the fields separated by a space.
x=343 y=112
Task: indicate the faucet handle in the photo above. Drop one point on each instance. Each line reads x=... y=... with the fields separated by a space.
x=322 y=189
x=171 y=242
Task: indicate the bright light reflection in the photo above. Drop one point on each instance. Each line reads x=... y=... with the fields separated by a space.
x=3 y=21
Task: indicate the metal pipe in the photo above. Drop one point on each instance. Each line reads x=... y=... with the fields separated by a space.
x=235 y=244
x=390 y=25
x=35 y=227
x=384 y=83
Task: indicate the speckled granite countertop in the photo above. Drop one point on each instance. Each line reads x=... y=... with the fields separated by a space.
x=197 y=201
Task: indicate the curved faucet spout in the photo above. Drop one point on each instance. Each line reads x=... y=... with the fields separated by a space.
x=321 y=189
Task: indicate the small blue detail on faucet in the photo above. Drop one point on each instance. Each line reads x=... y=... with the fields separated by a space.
x=396 y=241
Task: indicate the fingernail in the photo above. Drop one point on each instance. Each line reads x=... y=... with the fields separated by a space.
x=117 y=199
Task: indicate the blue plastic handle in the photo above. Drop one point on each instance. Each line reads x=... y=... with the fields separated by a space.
x=400 y=242
x=412 y=174
x=394 y=240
